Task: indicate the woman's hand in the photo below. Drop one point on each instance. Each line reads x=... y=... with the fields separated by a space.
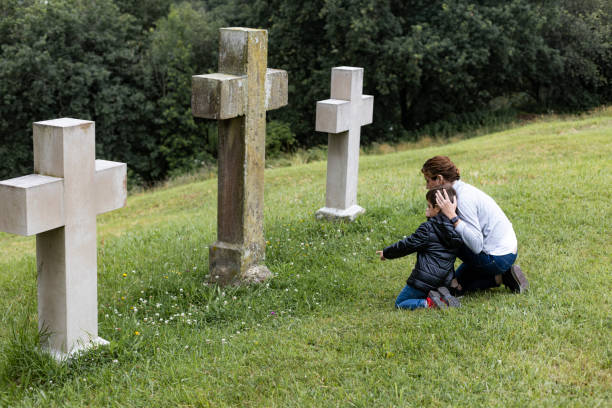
x=380 y=253
x=448 y=207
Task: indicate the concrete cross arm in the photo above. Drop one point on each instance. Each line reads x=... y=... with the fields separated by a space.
x=33 y=204
x=335 y=115
x=223 y=96
x=111 y=185
x=277 y=84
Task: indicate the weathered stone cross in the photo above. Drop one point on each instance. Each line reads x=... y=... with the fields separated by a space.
x=342 y=117
x=239 y=97
x=59 y=204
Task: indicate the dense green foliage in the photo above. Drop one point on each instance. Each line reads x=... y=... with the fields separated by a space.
x=434 y=64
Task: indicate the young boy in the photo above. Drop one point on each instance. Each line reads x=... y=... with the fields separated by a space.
x=437 y=244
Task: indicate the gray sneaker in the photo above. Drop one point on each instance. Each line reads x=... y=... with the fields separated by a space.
x=436 y=298
x=515 y=279
x=450 y=300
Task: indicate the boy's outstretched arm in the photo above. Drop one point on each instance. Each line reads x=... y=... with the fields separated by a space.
x=407 y=245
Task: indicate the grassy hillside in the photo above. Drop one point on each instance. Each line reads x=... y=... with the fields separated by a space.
x=324 y=332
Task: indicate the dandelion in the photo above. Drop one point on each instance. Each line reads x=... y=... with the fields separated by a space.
x=124 y=275
x=136 y=333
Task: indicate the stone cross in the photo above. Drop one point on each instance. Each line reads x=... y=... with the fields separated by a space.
x=239 y=97
x=59 y=204
x=342 y=117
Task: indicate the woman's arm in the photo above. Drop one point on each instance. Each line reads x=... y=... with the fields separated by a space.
x=468 y=226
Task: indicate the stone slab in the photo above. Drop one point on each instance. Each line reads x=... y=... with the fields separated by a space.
x=223 y=96
x=218 y=96
x=277 y=88
x=332 y=116
x=111 y=185
x=31 y=204
x=78 y=349
x=336 y=214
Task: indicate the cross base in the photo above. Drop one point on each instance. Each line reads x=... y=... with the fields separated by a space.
x=255 y=274
x=79 y=348
x=234 y=264
x=337 y=214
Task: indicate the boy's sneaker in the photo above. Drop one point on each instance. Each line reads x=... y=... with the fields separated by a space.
x=449 y=299
x=436 y=300
x=515 y=279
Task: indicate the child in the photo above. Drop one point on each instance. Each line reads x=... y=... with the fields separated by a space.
x=437 y=244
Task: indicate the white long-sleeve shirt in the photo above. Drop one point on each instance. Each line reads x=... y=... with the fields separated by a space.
x=484 y=225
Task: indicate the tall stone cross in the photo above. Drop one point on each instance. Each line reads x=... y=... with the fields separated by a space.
x=239 y=97
x=342 y=117
x=59 y=204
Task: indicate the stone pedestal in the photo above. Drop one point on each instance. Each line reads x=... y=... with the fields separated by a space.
x=342 y=117
x=238 y=98
x=59 y=204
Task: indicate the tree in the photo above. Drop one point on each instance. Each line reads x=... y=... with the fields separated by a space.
x=70 y=58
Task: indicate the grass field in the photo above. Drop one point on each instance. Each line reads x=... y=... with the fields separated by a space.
x=323 y=332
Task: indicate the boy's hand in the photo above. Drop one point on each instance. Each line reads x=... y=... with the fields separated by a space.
x=448 y=207
x=380 y=253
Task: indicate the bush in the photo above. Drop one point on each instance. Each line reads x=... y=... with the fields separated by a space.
x=279 y=139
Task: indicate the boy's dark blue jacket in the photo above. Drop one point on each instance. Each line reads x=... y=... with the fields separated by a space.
x=437 y=244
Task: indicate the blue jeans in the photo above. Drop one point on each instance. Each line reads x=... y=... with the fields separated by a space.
x=478 y=270
x=411 y=298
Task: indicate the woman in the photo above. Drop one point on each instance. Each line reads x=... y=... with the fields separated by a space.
x=490 y=242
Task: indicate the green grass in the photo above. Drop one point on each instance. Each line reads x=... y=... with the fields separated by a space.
x=324 y=332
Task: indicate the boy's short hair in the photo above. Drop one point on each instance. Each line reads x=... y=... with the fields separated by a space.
x=431 y=194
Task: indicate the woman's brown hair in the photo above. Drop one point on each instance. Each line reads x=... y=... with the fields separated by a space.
x=441 y=165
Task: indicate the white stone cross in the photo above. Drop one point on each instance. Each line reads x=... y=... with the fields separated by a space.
x=239 y=97
x=59 y=204
x=342 y=117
